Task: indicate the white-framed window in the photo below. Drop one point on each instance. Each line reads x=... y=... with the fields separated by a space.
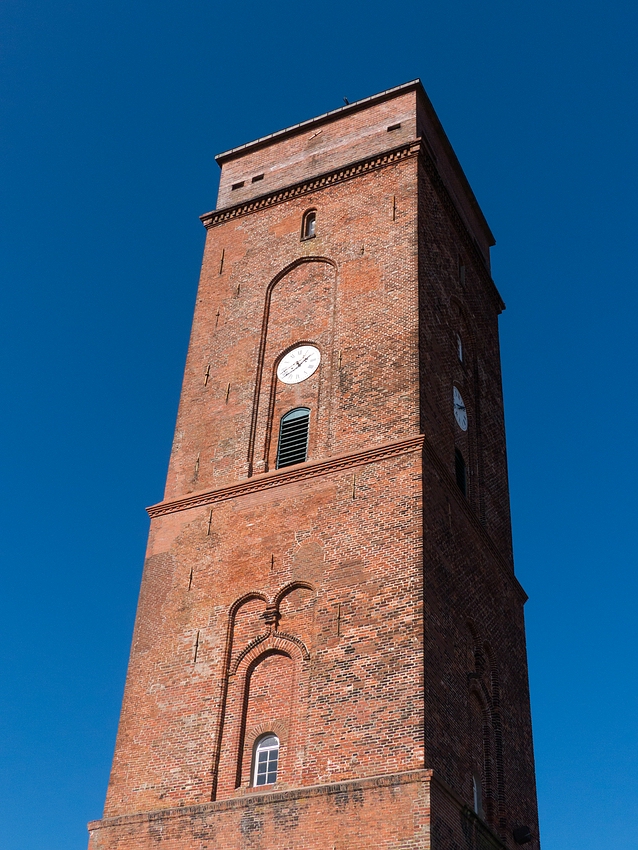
x=266 y=760
x=309 y=224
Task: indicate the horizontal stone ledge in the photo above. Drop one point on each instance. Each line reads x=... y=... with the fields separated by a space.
x=433 y=786
x=278 y=477
x=271 y=798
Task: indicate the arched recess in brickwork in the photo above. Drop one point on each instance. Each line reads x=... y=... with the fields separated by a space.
x=485 y=735
x=467 y=378
x=254 y=635
x=269 y=705
x=497 y=733
x=296 y=610
x=267 y=692
x=287 y=589
x=298 y=309
x=245 y=621
x=249 y=608
x=463 y=326
x=276 y=640
x=482 y=747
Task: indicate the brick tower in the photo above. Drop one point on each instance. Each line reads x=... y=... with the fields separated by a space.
x=329 y=651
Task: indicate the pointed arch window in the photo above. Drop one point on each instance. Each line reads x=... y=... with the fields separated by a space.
x=266 y=760
x=309 y=225
x=293 y=437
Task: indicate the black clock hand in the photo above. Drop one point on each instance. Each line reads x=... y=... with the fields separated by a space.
x=292 y=368
x=297 y=364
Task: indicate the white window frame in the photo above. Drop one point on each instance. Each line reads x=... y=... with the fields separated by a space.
x=261 y=748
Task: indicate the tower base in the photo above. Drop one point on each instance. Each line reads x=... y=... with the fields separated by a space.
x=404 y=810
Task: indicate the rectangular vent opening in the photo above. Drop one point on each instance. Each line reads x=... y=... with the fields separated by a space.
x=394 y=127
x=257 y=178
x=237 y=185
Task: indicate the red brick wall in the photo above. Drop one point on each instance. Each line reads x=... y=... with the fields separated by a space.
x=360 y=672
x=358 y=605
x=347 y=137
x=411 y=811
x=363 y=318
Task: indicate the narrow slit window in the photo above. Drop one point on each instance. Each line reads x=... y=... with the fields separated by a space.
x=394 y=127
x=461 y=472
x=266 y=760
x=309 y=225
x=459 y=347
x=237 y=185
x=293 y=437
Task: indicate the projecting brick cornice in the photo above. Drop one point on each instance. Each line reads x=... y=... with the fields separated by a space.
x=418 y=147
x=277 y=478
x=330 y=178
x=309 y=470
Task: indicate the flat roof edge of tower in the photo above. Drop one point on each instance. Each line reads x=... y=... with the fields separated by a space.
x=319 y=119
x=413 y=85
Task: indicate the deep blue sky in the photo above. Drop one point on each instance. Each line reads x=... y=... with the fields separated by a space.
x=111 y=114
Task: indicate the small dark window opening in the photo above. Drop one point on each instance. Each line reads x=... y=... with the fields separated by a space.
x=257 y=178
x=309 y=226
x=237 y=185
x=459 y=347
x=522 y=835
x=393 y=127
x=266 y=760
x=461 y=473
x=293 y=437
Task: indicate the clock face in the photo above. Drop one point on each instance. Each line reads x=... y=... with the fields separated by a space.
x=298 y=364
x=460 y=413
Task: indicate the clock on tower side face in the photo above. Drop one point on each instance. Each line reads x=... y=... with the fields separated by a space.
x=298 y=364
x=460 y=411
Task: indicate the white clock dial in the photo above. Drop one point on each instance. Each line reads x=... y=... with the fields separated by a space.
x=460 y=413
x=298 y=364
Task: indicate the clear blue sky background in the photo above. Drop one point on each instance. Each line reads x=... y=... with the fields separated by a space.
x=111 y=115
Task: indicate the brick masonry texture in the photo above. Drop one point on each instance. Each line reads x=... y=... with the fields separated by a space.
x=408 y=811
x=358 y=606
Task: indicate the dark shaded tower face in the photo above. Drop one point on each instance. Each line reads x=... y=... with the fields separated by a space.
x=329 y=651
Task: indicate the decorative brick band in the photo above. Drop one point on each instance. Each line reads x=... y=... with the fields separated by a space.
x=277 y=478
x=418 y=147
x=339 y=175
